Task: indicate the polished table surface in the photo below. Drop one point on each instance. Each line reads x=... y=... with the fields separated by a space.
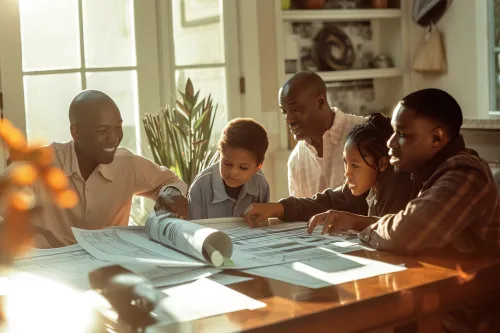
x=431 y=285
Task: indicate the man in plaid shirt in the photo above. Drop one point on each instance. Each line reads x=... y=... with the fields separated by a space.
x=456 y=202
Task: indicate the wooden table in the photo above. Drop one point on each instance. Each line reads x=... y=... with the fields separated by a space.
x=431 y=285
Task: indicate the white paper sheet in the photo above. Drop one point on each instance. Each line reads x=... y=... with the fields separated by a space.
x=238 y=230
x=275 y=244
x=190 y=238
x=71 y=265
x=326 y=271
x=252 y=247
x=131 y=246
x=200 y=299
x=226 y=279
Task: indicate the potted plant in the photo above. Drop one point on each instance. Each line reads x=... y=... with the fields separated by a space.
x=179 y=136
x=179 y=139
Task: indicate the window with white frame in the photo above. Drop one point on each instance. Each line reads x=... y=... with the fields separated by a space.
x=72 y=45
x=494 y=55
x=202 y=44
x=139 y=52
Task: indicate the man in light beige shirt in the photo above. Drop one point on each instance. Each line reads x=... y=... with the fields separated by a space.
x=316 y=163
x=104 y=176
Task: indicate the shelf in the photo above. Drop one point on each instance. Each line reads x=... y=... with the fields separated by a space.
x=359 y=74
x=340 y=14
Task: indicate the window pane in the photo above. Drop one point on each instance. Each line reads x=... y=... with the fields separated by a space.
x=109 y=34
x=496 y=107
x=50 y=36
x=198 y=35
x=122 y=88
x=496 y=19
x=47 y=99
x=210 y=81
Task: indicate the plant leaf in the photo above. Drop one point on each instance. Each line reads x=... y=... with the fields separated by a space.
x=189 y=88
x=188 y=102
x=185 y=112
x=200 y=120
x=199 y=142
x=195 y=98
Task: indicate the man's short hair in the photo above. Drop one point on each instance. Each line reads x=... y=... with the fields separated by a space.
x=438 y=105
x=245 y=133
x=87 y=96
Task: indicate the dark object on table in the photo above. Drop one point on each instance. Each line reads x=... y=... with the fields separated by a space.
x=427 y=12
x=333 y=49
x=132 y=296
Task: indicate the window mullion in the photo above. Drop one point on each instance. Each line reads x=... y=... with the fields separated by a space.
x=83 y=75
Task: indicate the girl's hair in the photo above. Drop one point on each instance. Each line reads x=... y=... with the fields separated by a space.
x=371 y=138
x=245 y=133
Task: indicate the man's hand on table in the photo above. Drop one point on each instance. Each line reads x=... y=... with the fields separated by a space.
x=172 y=201
x=337 y=222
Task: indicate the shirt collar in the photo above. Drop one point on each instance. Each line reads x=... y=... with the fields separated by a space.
x=451 y=149
x=106 y=170
x=334 y=133
x=251 y=187
x=70 y=164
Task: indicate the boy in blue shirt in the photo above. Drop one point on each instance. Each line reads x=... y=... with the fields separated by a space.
x=228 y=187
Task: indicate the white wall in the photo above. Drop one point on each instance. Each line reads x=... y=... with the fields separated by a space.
x=258 y=66
x=464 y=28
x=465 y=31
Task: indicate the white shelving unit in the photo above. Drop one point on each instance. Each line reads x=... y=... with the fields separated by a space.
x=340 y=14
x=359 y=74
x=389 y=37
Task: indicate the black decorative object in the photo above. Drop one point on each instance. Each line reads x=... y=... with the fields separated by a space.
x=333 y=49
x=427 y=12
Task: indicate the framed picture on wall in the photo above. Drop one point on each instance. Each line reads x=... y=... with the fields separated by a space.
x=199 y=12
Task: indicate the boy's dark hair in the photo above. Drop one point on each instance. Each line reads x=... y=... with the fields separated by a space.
x=245 y=133
x=438 y=105
x=371 y=138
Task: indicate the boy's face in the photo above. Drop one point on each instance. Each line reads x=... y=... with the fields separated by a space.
x=415 y=141
x=360 y=176
x=237 y=166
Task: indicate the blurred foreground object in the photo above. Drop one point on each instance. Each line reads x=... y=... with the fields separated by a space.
x=29 y=164
x=132 y=296
x=37 y=304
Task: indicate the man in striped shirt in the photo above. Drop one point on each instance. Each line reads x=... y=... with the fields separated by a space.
x=316 y=163
x=456 y=201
